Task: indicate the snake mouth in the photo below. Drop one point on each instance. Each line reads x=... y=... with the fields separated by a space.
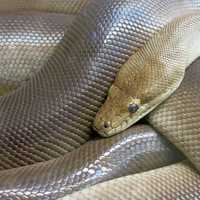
x=103 y=129
x=112 y=129
x=124 y=124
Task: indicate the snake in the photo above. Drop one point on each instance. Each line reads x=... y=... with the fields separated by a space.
x=150 y=76
x=164 y=183
x=177 y=181
x=30 y=31
x=46 y=124
x=43 y=6
x=27 y=41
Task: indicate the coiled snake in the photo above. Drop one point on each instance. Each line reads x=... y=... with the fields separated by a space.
x=51 y=114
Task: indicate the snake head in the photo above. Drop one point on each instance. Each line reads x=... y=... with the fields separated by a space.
x=115 y=113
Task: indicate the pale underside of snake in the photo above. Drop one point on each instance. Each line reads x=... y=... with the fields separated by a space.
x=52 y=113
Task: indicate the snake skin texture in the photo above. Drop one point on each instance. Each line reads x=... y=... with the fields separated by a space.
x=55 y=6
x=177 y=118
x=151 y=75
x=56 y=108
x=137 y=149
x=51 y=115
x=27 y=39
x=179 y=181
x=29 y=32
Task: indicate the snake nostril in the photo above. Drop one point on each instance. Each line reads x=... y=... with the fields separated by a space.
x=106 y=125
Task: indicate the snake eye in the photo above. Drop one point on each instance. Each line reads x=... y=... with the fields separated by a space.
x=132 y=108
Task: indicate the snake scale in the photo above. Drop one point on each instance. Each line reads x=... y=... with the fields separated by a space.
x=151 y=75
x=178 y=181
x=27 y=41
x=51 y=114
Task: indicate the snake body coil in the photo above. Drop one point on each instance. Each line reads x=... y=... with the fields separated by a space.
x=52 y=113
x=56 y=108
x=27 y=41
x=178 y=181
